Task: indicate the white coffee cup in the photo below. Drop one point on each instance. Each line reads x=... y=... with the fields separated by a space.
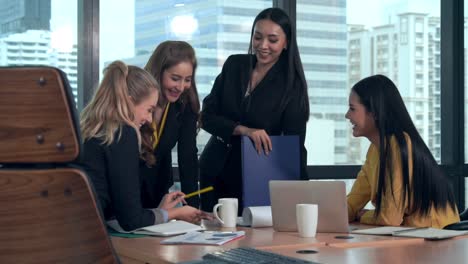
x=228 y=211
x=307 y=216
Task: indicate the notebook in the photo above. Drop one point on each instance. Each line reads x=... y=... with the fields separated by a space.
x=282 y=163
x=204 y=238
x=166 y=229
x=382 y=231
x=401 y=231
x=330 y=196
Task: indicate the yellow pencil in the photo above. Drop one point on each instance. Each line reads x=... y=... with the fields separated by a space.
x=204 y=190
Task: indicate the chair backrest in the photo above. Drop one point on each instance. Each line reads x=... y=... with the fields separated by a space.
x=462 y=225
x=48 y=209
x=38 y=121
x=50 y=216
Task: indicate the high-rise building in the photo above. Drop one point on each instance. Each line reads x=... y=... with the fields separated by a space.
x=322 y=39
x=21 y=15
x=29 y=48
x=68 y=62
x=216 y=29
x=408 y=52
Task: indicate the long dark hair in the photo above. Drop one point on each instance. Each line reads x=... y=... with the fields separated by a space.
x=170 y=53
x=166 y=55
x=430 y=186
x=295 y=72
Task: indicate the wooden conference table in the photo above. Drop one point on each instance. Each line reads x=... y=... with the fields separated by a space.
x=329 y=249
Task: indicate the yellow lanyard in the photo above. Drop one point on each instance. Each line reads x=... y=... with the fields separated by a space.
x=157 y=133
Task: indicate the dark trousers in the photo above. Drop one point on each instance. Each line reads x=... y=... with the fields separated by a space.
x=227 y=184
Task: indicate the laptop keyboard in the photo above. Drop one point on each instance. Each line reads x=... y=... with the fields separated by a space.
x=248 y=255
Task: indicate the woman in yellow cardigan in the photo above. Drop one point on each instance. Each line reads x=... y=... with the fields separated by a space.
x=400 y=176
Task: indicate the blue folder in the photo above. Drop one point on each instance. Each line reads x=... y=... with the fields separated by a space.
x=282 y=163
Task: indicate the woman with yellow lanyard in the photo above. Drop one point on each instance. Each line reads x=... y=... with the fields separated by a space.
x=175 y=121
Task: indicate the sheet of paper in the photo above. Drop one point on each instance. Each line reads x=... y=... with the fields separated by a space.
x=166 y=229
x=256 y=216
x=384 y=230
x=205 y=238
x=430 y=233
x=425 y=232
x=172 y=228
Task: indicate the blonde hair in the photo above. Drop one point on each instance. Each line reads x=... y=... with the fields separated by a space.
x=122 y=88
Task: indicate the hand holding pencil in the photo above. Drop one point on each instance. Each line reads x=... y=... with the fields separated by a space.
x=190 y=214
x=171 y=199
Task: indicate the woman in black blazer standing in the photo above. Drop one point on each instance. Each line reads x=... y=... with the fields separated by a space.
x=175 y=121
x=257 y=94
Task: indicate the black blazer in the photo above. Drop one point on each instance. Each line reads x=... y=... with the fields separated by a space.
x=180 y=129
x=226 y=107
x=113 y=169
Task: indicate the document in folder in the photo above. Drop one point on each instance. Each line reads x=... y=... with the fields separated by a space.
x=282 y=163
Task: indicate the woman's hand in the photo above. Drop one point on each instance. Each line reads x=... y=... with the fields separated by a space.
x=186 y=213
x=207 y=216
x=170 y=200
x=259 y=137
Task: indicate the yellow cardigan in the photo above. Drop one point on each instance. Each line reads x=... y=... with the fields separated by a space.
x=393 y=212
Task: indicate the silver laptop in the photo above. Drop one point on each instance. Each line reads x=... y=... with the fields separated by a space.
x=330 y=196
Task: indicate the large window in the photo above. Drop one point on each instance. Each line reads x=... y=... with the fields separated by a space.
x=131 y=30
x=341 y=42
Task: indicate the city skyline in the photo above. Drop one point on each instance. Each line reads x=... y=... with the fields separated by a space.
x=119 y=18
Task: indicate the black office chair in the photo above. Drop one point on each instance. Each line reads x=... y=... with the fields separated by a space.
x=464 y=215
x=462 y=225
x=48 y=210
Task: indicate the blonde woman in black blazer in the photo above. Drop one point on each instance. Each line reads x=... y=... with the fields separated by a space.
x=257 y=94
x=123 y=102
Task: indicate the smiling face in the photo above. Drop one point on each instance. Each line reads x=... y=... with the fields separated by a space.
x=177 y=79
x=268 y=41
x=144 y=110
x=363 y=121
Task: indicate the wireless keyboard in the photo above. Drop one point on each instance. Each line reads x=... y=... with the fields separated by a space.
x=248 y=255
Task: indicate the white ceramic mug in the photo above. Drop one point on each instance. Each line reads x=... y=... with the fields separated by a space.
x=228 y=211
x=307 y=216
